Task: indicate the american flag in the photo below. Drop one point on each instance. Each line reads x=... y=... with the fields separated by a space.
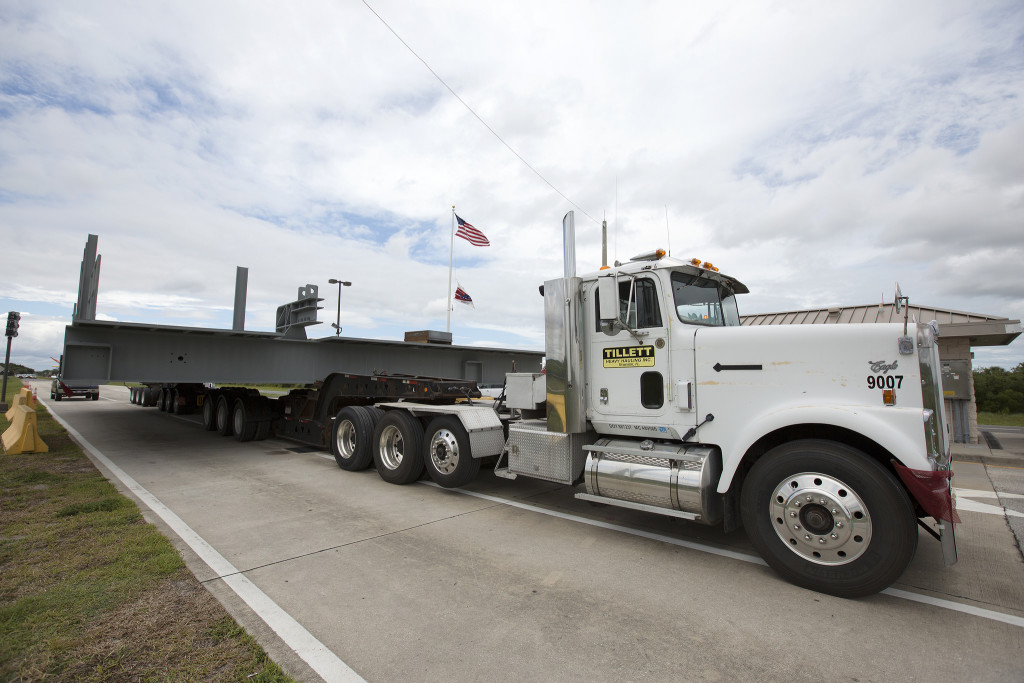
x=471 y=234
x=462 y=296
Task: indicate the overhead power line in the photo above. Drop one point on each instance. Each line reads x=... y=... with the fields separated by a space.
x=478 y=117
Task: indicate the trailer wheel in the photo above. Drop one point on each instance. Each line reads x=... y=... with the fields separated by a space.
x=210 y=411
x=224 y=421
x=827 y=517
x=398 y=440
x=262 y=430
x=161 y=400
x=352 y=438
x=447 y=454
x=242 y=424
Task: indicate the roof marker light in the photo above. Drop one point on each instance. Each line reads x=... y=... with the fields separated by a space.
x=655 y=255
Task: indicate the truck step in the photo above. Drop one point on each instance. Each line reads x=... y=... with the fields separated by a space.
x=638 y=506
x=504 y=473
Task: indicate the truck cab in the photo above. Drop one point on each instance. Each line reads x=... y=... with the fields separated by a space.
x=827 y=444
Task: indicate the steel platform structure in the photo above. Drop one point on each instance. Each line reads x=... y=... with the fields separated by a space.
x=98 y=352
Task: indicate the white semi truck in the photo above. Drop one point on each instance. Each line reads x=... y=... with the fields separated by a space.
x=826 y=443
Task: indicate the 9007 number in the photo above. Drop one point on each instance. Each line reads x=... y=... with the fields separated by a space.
x=885 y=382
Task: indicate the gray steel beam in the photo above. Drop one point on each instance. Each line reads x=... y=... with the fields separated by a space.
x=241 y=286
x=96 y=352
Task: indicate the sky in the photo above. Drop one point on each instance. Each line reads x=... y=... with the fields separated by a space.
x=818 y=152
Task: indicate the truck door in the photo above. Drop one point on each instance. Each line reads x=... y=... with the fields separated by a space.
x=628 y=379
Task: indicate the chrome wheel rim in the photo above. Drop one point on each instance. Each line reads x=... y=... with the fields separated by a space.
x=444 y=451
x=821 y=519
x=392 y=447
x=346 y=439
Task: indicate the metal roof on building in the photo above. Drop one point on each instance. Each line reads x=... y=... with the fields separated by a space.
x=982 y=330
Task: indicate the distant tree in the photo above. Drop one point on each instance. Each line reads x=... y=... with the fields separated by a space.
x=998 y=390
x=17 y=369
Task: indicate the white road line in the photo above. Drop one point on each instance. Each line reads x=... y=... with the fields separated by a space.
x=317 y=655
x=753 y=559
x=964 y=502
x=975 y=493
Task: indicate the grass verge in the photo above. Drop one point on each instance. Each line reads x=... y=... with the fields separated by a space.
x=1001 y=419
x=89 y=591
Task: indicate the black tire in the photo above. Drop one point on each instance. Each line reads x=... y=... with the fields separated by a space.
x=447 y=455
x=397 y=447
x=96 y=396
x=210 y=412
x=242 y=423
x=352 y=438
x=827 y=517
x=57 y=395
x=161 y=400
x=262 y=430
x=133 y=395
x=174 y=402
x=223 y=416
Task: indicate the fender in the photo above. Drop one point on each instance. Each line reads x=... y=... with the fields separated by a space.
x=898 y=430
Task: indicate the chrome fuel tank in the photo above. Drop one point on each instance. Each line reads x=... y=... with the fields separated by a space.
x=661 y=475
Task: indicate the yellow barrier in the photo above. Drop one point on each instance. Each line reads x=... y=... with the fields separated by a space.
x=16 y=400
x=30 y=397
x=23 y=435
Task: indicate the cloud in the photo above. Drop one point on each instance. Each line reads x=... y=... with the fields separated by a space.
x=817 y=152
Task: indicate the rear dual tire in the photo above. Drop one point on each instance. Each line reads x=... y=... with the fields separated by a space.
x=352 y=441
x=447 y=455
x=398 y=447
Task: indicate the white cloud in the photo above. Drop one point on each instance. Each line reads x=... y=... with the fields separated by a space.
x=817 y=152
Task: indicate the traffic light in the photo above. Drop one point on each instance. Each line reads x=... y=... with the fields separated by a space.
x=13 y=319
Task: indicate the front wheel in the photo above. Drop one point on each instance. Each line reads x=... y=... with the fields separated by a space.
x=446 y=453
x=827 y=517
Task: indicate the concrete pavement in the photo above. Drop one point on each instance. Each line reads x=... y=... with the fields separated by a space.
x=520 y=580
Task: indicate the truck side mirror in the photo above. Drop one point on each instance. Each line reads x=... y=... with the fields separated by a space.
x=608 y=296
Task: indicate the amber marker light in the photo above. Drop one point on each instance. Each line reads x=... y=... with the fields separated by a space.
x=889 y=397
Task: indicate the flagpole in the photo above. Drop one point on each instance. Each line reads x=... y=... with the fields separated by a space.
x=448 y=296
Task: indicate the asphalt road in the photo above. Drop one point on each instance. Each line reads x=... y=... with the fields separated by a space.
x=520 y=581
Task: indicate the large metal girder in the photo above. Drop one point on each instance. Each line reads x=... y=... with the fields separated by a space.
x=97 y=352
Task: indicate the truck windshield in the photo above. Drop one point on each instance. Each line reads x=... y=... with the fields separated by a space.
x=702 y=301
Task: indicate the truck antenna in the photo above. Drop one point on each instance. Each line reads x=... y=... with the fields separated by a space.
x=668 y=235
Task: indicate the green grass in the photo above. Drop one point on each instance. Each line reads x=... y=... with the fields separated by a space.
x=1001 y=419
x=91 y=592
